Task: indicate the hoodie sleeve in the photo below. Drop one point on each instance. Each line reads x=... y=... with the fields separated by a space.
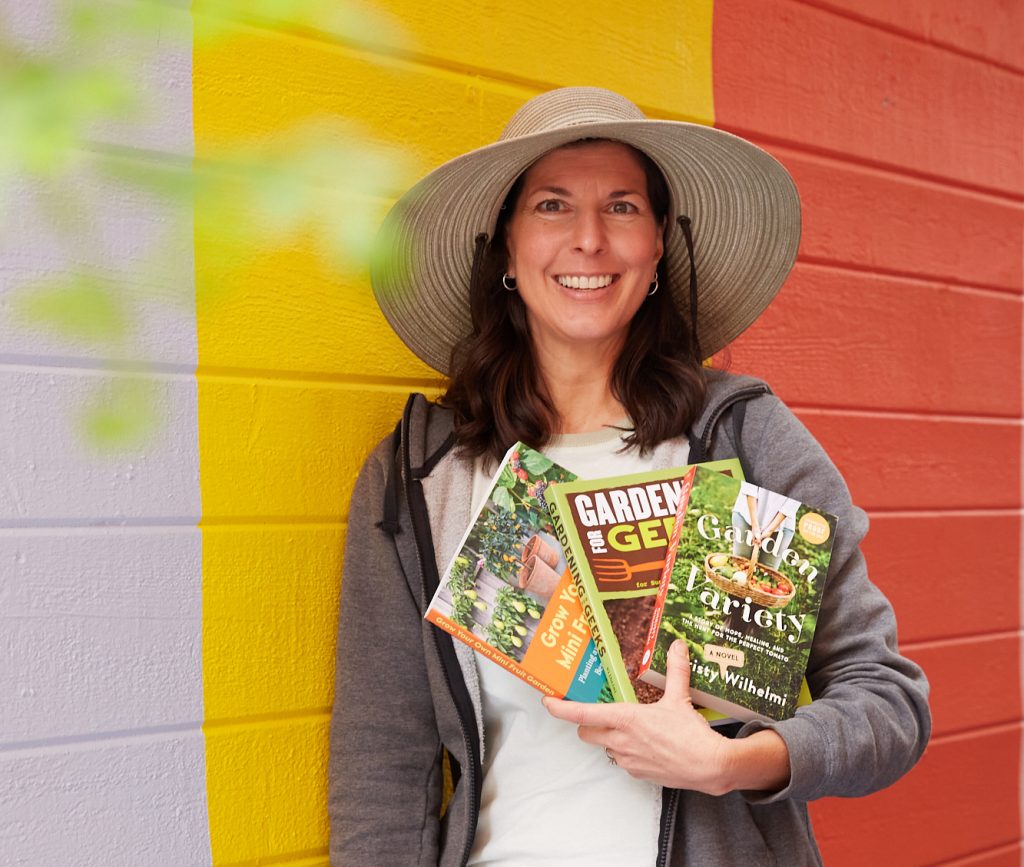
x=384 y=775
x=869 y=721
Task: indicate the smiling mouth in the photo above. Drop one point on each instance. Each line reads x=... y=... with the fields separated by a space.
x=583 y=281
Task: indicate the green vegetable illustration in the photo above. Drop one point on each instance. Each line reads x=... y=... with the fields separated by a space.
x=507 y=628
x=462 y=587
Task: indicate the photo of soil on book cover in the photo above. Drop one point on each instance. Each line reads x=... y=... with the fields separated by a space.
x=630 y=620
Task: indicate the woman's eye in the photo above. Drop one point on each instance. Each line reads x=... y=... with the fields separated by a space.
x=623 y=208
x=550 y=206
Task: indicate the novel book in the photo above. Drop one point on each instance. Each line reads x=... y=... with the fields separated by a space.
x=742 y=585
x=508 y=594
x=616 y=533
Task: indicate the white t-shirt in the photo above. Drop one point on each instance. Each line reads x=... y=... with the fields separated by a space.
x=549 y=799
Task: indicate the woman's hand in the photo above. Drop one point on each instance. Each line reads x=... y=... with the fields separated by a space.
x=671 y=744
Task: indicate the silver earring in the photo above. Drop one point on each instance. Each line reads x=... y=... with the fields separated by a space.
x=654 y=286
x=509 y=283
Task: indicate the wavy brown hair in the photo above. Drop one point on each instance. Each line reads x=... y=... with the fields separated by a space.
x=497 y=392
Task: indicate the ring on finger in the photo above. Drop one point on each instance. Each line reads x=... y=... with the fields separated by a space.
x=611 y=758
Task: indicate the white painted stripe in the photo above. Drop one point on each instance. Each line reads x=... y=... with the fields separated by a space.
x=118 y=803
x=102 y=631
x=50 y=470
x=102 y=755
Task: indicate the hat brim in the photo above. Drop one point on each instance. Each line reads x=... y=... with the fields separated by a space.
x=742 y=203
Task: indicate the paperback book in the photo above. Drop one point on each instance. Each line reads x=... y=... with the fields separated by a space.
x=508 y=594
x=742 y=586
x=616 y=533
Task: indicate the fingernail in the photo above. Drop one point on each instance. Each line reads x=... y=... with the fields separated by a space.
x=679 y=647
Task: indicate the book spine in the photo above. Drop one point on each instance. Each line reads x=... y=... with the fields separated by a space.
x=573 y=556
x=666 y=578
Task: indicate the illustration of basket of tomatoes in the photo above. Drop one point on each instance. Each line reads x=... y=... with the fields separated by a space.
x=739 y=576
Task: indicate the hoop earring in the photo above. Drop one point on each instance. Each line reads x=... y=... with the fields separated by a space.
x=506 y=281
x=654 y=286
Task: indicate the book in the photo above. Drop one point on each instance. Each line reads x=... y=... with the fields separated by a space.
x=616 y=533
x=508 y=594
x=742 y=585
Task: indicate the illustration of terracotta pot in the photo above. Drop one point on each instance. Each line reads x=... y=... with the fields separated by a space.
x=536 y=546
x=537 y=577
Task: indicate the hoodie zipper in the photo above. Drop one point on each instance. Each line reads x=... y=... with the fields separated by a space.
x=670 y=805
x=460 y=695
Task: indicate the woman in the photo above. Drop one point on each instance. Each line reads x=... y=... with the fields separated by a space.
x=554 y=277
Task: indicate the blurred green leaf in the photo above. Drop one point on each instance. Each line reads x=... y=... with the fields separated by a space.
x=80 y=306
x=120 y=415
x=45 y=112
x=358 y=22
x=92 y=22
x=322 y=182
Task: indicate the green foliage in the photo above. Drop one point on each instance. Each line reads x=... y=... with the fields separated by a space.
x=500 y=543
x=507 y=630
x=521 y=485
x=82 y=307
x=349 y=21
x=120 y=415
x=463 y=590
x=319 y=183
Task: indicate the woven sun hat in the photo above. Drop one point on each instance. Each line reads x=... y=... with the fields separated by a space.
x=743 y=207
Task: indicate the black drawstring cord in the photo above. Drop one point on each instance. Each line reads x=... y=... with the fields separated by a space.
x=478 y=254
x=480 y=242
x=684 y=224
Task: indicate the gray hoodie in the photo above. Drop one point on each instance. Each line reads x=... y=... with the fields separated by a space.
x=407 y=710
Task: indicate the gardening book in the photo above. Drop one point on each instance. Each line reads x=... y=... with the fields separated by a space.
x=508 y=594
x=742 y=585
x=616 y=533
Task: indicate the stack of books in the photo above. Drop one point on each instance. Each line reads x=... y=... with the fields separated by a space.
x=579 y=587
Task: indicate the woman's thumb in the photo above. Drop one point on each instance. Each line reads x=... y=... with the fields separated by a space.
x=677 y=672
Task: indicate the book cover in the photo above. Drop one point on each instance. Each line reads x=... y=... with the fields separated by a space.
x=742 y=585
x=616 y=533
x=508 y=594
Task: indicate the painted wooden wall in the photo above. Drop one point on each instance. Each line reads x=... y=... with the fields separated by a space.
x=167 y=611
x=898 y=342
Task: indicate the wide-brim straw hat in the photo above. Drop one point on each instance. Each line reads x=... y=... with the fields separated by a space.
x=743 y=207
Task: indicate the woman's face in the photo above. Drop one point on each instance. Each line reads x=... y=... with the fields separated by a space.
x=583 y=246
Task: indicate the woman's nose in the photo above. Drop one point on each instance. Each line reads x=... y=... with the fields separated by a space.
x=589 y=232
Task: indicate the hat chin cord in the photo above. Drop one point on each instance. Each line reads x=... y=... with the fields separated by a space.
x=684 y=224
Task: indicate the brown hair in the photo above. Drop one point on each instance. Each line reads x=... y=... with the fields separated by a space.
x=497 y=392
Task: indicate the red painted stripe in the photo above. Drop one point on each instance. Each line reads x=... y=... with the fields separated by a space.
x=836 y=338
x=1005 y=856
x=923 y=564
x=802 y=75
x=881 y=221
x=989 y=29
x=961 y=799
x=992 y=668
x=918 y=463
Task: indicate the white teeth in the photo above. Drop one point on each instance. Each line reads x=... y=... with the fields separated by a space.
x=577 y=282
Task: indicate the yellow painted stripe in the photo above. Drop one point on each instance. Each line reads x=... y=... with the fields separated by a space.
x=270 y=619
x=267 y=789
x=658 y=55
x=299 y=375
